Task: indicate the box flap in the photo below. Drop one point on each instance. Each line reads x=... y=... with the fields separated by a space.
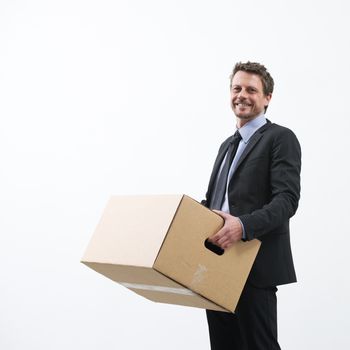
x=132 y=229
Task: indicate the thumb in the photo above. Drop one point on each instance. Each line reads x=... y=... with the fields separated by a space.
x=221 y=213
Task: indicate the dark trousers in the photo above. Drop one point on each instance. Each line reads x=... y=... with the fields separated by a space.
x=252 y=327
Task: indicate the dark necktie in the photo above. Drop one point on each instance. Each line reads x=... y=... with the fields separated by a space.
x=220 y=189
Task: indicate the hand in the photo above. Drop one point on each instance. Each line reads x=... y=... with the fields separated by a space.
x=230 y=233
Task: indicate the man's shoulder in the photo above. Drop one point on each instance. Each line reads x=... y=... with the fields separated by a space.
x=277 y=130
x=281 y=137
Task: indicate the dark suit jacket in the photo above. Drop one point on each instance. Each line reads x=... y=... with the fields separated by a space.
x=264 y=192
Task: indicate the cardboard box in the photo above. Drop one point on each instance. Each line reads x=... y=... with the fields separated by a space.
x=155 y=246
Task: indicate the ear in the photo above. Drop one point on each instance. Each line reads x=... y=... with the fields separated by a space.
x=268 y=99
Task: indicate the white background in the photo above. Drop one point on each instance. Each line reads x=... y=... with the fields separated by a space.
x=131 y=97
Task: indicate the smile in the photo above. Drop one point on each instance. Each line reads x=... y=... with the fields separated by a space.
x=241 y=104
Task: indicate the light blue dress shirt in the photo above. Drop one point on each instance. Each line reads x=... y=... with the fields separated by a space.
x=246 y=132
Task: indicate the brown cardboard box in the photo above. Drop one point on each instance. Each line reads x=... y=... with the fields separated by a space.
x=154 y=245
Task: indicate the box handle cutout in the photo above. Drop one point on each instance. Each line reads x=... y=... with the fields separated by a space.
x=213 y=247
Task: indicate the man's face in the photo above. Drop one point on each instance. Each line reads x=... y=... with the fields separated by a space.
x=247 y=96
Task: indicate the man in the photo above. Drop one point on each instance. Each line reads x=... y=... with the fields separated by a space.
x=255 y=187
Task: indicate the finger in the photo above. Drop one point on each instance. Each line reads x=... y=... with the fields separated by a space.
x=215 y=239
x=217 y=244
x=223 y=241
x=227 y=245
x=211 y=239
x=218 y=235
x=221 y=213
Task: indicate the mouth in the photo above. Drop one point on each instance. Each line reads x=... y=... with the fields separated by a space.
x=242 y=104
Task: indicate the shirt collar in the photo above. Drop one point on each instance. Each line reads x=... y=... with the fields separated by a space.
x=249 y=128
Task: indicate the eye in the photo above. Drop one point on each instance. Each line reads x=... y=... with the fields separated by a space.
x=236 y=89
x=251 y=90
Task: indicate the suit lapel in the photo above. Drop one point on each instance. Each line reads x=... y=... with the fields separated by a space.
x=252 y=142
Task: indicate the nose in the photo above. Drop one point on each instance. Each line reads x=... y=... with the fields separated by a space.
x=242 y=93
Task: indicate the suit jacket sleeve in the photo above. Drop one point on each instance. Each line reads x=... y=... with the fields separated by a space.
x=285 y=164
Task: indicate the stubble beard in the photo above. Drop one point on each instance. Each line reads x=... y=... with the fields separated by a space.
x=244 y=117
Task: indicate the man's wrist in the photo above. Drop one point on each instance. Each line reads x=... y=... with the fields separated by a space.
x=244 y=237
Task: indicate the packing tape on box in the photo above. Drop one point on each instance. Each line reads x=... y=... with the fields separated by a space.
x=182 y=291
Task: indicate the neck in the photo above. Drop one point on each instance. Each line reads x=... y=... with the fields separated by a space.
x=240 y=122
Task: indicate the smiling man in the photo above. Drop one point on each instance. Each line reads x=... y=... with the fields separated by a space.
x=248 y=97
x=255 y=187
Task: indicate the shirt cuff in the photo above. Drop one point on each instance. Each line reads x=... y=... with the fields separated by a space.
x=244 y=237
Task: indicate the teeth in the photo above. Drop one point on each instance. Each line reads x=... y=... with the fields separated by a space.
x=242 y=104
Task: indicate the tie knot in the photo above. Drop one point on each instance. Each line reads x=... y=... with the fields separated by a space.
x=236 y=137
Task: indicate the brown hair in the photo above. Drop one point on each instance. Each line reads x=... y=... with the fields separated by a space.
x=258 y=69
